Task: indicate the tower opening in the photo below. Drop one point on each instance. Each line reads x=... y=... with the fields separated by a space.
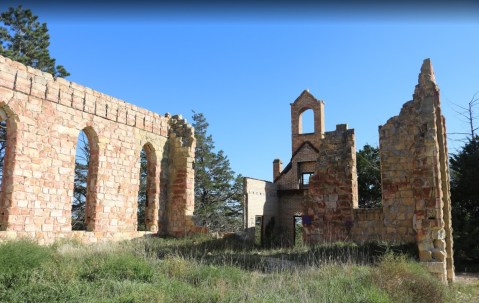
x=306 y=122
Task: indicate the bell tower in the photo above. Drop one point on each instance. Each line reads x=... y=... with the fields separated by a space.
x=306 y=101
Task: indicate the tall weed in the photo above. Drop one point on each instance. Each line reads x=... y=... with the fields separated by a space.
x=407 y=281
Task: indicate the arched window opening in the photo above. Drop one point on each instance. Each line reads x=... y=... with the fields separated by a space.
x=7 y=153
x=306 y=122
x=142 y=192
x=84 y=189
x=3 y=146
x=147 y=211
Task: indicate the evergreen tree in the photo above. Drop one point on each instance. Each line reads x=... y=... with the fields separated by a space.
x=218 y=193
x=369 y=177
x=465 y=204
x=26 y=40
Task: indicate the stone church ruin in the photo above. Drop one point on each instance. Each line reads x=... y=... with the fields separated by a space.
x=44 y=117
x=316 y=193
x=318 y=188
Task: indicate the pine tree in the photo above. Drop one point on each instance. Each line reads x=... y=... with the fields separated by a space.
x=369 y=176
x=218 y=192
x=26 y=40
x=465 y=204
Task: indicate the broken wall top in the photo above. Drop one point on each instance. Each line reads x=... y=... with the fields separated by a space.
x=15 y=76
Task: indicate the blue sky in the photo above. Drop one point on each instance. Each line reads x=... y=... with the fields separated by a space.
x=242 y=67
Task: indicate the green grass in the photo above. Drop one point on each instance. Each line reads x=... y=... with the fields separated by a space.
x=202 y=269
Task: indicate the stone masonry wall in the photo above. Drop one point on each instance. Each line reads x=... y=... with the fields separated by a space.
x=415 y=178
x=333 y=188
x=398 y=138
x=44 y=118
x=181 y=189
x=368 y=225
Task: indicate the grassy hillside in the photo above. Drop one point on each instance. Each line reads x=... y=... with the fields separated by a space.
x=207 y=270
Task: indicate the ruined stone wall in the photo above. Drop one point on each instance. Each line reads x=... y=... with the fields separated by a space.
x=398 y=140
x=333 y=188
x=415 y=181
x=415 y=178
x=368 y=225
x=181 y=190
x=415 y=184
x=44 y=118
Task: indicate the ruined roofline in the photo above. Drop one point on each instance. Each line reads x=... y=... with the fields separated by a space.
x=343 y=127
x=301 y=146
x=42 y=85
x=289 y=165
x=286 y=169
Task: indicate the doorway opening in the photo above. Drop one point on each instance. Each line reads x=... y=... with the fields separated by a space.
x=298 y=231
x=258 y=231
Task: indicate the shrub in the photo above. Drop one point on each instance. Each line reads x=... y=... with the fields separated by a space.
x=407 y=281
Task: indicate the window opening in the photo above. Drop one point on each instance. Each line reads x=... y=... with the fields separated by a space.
x=305 y=179
x=84 y=188
x=82 y=161
x=7 y=154
x=148 y=199
x=306 y=122
x=142 y=192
